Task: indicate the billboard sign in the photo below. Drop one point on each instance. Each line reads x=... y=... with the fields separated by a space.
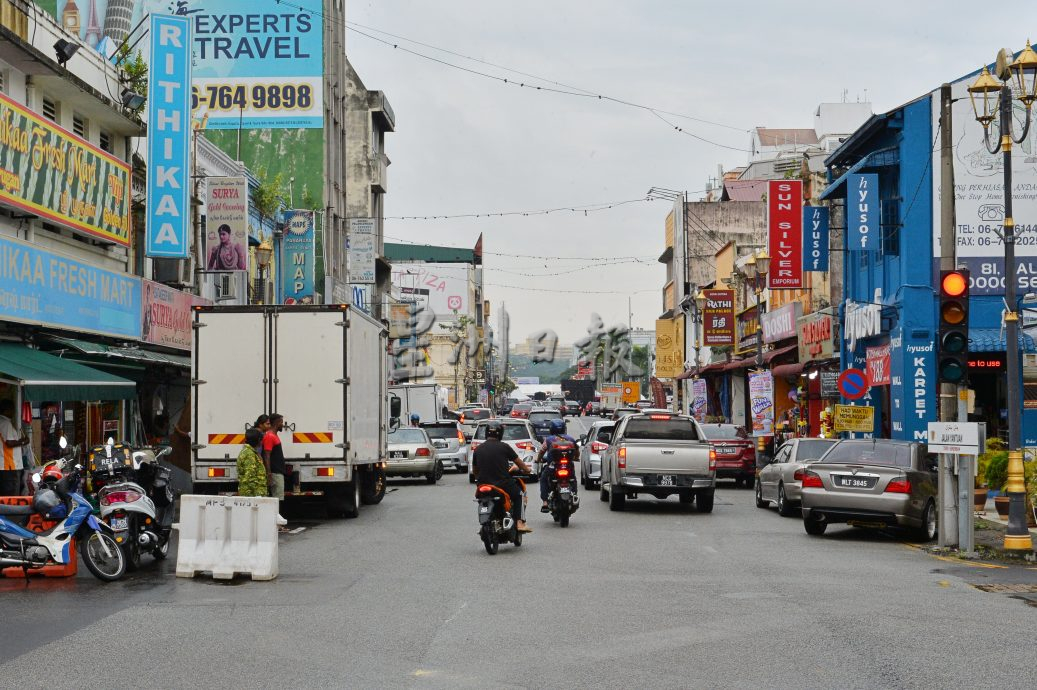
x=862 y=212
x=226 y=224
x=815 y=238
x=361 y=255
x=168 y=209
x=785 y=233
x=761 y=401
x=781 y=323
x=257 y=65
x=443 y=288
x=877 y=365
x=669 y=348
x=166 y=318
x=53 y=174
x=718 y=318
x=43 y=288
x=297 y=257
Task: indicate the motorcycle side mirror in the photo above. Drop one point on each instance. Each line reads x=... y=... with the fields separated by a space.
x=63 y=442
x=165 y=450
x=37 y=478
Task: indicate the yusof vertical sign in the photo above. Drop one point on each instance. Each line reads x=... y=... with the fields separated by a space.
x=168 y=210
x=785 y=224
x=815 y=238
x=862 y=212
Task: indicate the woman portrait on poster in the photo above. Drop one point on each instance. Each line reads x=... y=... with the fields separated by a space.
x=226 y=256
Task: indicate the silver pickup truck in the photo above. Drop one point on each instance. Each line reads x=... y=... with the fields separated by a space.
x=659 y=454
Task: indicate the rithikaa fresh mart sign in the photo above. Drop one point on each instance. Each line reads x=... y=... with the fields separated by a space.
x=53 y=174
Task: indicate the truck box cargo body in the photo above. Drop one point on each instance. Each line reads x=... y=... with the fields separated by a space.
x=322 y=367
x=423 y=398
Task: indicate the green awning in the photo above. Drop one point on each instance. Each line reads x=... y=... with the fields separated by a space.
x=107 y=352
x=46 y=377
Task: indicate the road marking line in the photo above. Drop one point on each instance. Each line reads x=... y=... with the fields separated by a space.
x=456 y=613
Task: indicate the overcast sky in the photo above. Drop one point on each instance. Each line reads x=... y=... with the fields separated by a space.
x=466 y=144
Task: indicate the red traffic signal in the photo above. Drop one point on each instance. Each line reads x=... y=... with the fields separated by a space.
x=954 y=283
x=953 y=340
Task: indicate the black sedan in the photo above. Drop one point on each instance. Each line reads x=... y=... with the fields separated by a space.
x=541 y=421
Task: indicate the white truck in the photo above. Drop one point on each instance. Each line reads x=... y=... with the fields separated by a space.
x=426 y=399
x=321 y=366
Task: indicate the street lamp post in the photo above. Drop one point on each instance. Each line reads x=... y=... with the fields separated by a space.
x=757 y=267
x=989 y=95
x=263 y=253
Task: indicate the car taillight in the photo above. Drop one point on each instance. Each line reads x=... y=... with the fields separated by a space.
x=812 y=480
x=899 y=486
x=514 y=413
x=423 y=453
x=712 y=460
x=798 y=475
x=622 y=455
x=462 y=419
x=524 y=445
x=217 y=472
x=460 y=437
x=598 y=447
x=120 y=497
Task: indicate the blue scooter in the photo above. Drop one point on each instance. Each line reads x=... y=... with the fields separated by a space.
x=22 y=548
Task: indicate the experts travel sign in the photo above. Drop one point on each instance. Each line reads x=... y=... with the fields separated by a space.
x=168 y=211
x=53 y=174
x=257 y=64
x=43 y=288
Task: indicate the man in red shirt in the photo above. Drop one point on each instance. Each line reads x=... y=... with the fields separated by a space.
x=273 y=458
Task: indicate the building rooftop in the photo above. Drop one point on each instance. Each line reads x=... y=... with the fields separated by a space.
x=429 y=253
x=744 y=190
x=786 y=137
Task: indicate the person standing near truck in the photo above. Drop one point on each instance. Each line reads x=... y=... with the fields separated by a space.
x=252 y=474
x=273 y=457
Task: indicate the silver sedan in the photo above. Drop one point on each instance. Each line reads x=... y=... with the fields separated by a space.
x=779 y=480
x=411 y=453
x=594 y=444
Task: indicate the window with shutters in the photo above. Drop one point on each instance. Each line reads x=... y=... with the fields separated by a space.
x=79 y=125
x=50 y=109
x=106 y=141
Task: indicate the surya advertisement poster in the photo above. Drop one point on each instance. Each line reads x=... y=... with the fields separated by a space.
x=226 y=224
x=718 y=318
x=785 y=233
x=761 y=400
x=166 y=319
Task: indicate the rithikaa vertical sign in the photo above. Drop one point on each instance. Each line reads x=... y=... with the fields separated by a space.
x=862 y=212
x=168 y=210
x=785 y=225
x=815 y=238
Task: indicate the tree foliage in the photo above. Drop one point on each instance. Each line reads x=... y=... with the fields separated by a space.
x=136 y=70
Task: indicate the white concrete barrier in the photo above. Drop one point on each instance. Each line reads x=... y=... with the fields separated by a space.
x=225 y=535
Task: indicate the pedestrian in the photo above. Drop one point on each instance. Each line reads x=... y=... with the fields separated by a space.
x=252 y=472
x=14 y=440
x=273 y=457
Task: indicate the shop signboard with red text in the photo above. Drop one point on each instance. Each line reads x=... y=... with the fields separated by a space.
x=166 y=317
x=816 y=337
x=718 y=317
x=877 y=359
x=785 y=233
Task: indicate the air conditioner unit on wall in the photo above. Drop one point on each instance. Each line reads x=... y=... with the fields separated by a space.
x=225 y=286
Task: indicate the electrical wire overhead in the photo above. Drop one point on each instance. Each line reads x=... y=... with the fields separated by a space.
x=585 y=209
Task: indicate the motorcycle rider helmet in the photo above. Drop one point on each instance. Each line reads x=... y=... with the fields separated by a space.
x=46 y=502
x=494 y=430
x=415 y=418
x=51 y=473
x=557 y=427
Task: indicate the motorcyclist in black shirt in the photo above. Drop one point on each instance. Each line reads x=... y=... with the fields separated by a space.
x=491 y=464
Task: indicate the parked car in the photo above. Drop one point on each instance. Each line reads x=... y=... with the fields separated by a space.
x=735 y=452
x=621 y=412
x=521 y=410
x=592 y=445
x=658 y=455
x=872 y=483
x=541 y=420
x=471 y=416
x=518 y=433
x=411 y=454
x=449 y=442
x=779 y=480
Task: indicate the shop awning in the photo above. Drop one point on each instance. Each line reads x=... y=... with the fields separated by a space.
x=46 y=377
x=135 y=354
x=786 y=370
x=740 y=363
x=768 y=356
x=993 y=340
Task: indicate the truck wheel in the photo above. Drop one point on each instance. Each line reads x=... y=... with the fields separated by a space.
x=617 y=499
x=344 y=501
x=604 y=495
x=704 y=501
x=686 y=496
x=372 y=487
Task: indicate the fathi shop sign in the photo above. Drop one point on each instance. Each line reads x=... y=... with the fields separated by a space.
x=718 y=325
x=785 y=223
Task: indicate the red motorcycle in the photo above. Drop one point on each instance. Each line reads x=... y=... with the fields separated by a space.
x=562 y=500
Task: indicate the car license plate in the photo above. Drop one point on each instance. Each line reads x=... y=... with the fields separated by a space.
x=120 y=524
x=439 y=444
x=397 y=453
x=854 y=482
x=484 y=509
x=667 y=480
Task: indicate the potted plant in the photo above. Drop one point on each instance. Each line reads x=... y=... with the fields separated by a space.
x=1030 y=477
x=982 y=490
x=996 y=475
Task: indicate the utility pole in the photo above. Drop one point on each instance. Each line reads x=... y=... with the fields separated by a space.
x=947 y=488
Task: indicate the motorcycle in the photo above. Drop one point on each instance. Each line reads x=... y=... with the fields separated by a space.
x=134 y=498
x=562 y=501
x=496 y=517
x=22 y=548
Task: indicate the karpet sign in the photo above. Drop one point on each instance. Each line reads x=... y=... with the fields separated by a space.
x=53 y=174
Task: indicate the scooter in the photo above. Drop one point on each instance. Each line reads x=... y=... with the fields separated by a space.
x=562 y=501
x=496 y=517
x=22 y=548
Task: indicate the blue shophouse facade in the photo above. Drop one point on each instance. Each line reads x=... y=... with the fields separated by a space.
x=890 y=297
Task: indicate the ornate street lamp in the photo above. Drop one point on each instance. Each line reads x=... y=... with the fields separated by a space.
x=760 y=264
x=992 y=94
x=263 y=254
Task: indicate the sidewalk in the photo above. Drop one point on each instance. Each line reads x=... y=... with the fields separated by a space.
x=990 y=537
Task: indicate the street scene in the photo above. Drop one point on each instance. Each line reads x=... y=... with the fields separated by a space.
x=643 y=368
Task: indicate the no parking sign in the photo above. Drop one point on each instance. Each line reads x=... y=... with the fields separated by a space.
x=853 y=384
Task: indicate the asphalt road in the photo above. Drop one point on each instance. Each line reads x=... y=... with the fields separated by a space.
x=658 y=596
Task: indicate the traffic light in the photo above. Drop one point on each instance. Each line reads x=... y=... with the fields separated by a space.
x=953 y=345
